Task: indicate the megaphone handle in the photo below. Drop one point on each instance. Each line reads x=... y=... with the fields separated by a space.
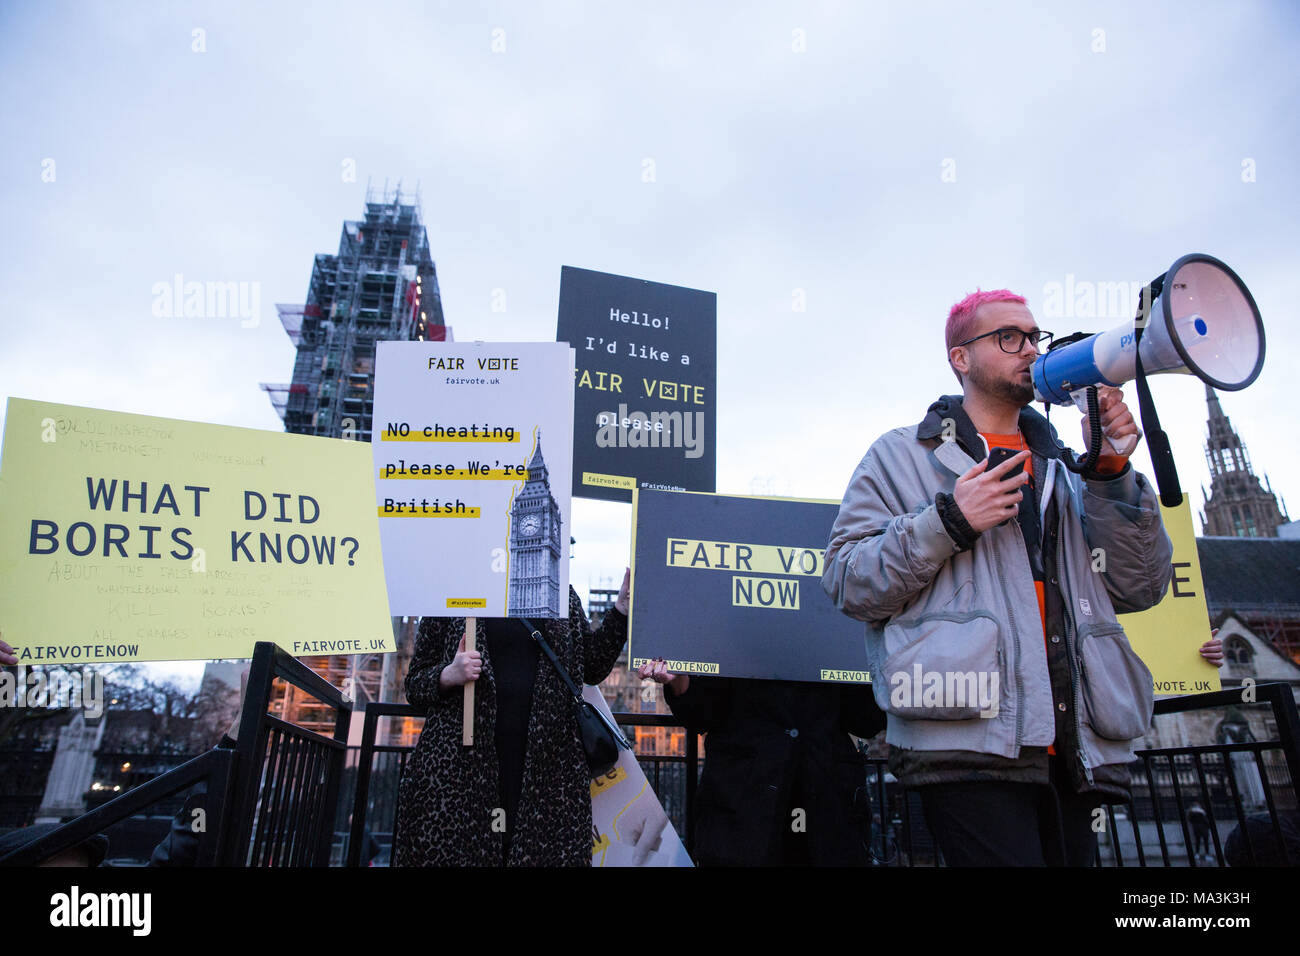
x=1125 y=445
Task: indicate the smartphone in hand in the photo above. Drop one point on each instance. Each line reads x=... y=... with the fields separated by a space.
x=998 y=455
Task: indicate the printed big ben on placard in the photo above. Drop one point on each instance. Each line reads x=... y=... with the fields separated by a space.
x=535 y=546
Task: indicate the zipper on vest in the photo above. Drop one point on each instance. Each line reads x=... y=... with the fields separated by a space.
x=1078 y=713
x=1075 y=659
x=1015 y=633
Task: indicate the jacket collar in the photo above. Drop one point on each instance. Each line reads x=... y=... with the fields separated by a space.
x=1039 y=434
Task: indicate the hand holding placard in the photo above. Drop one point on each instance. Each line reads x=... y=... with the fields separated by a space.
x=464 y=668
x=621 y=603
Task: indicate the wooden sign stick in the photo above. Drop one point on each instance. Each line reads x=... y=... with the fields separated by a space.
x=467 y=727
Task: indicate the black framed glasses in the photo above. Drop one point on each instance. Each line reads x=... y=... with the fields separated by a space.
x=1012 y=341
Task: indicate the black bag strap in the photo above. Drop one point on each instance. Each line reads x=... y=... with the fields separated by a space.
x=1162 y=456
x=536 y=634
x=613 y=728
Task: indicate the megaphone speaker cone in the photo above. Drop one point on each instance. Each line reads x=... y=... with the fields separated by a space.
x=1211 y=319
x=1204 y=322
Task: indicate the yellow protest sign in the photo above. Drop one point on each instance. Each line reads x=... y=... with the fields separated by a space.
x=131 y=538
x=1168 y=636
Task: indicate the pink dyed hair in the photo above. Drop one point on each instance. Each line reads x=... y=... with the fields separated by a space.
x=961 y=318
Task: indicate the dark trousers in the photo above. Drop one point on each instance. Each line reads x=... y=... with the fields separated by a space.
x=1200 y=839
x=996 y=823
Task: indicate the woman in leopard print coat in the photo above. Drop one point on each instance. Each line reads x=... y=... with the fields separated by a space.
x=448 y=793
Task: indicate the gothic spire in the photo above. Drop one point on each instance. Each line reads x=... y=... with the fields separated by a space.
x=1237 y=504
x=1216 y=410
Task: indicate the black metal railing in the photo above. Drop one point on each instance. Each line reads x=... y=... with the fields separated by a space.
x=1243 y=787
x=213 y=770
x=270 y=801
x=277 y=798
x=1164 y=783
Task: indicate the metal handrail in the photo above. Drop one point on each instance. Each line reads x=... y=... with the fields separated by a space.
x=233 y=777
x=269 y=662
x=213 y=767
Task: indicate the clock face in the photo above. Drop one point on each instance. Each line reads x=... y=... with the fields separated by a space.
x=529 y=525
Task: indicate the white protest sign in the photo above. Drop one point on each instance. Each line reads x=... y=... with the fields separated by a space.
x=629 y=823
x=473 y=456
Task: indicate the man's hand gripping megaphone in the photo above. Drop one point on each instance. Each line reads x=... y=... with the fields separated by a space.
x=1120 y=432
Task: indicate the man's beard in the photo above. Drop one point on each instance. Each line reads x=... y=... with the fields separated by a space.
x=1017 y=392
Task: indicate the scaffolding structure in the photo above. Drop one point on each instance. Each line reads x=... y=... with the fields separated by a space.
x=381 y=285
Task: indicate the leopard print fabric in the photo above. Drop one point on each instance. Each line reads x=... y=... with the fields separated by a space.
x=448 y=793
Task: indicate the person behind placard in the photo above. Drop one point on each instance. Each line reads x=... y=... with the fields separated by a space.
x=783 y=783
x=1199 y=821
x=520 y=796
x=90 y=852
x=1212 y=652
x=960 y=569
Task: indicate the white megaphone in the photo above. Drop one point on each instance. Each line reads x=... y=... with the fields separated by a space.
x=1198 y=318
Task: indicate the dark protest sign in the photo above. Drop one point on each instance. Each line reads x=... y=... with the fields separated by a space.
x=644 y=405
x=732 y=586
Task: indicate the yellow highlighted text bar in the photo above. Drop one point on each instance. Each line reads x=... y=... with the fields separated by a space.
x=608 y=481
x=438 y=473
x=404 y=510
x=780 y=593
x=753 y=558
x=608 y=780
x=439 y=433
x=681 y=667
x=848 y=677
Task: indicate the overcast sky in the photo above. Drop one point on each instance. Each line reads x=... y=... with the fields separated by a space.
x=875 y=162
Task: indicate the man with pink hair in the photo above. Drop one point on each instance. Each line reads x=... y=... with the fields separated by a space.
x=989 y=595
